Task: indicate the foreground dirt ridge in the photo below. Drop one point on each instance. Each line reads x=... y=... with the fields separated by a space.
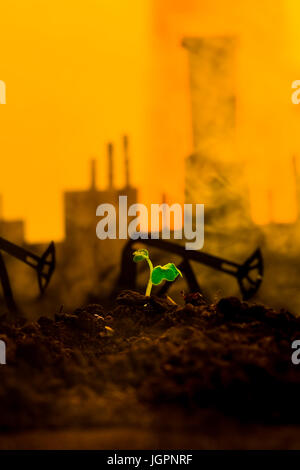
x=151 y=364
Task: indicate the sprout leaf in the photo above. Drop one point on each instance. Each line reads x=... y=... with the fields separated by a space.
x=140 y=255
x=168 y=272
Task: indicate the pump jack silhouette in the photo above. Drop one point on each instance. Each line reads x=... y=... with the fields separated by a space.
x=249 y=275
x=44 y=266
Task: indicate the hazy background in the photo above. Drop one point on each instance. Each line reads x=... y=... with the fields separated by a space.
x=80 y=74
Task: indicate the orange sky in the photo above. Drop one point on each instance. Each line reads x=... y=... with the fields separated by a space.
x=73 y=72
x=80 y=74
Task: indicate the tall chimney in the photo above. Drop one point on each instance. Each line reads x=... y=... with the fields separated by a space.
x=296 y=180
x=110 y=150
x=93 y=175
x=164 y=214
x=126 y=159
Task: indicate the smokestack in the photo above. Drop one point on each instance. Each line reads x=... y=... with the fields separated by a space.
x=270 y=200
x=164 y=215
x=93 y=175
x=126 y=158
x=110 y=150
x=296 y=179
x=295 y=166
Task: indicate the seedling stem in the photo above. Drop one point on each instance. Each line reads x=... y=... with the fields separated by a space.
x=149 y=285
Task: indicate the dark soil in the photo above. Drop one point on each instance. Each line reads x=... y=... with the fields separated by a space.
x=149 y=363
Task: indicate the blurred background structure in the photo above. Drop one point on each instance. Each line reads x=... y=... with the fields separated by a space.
x=203 y=90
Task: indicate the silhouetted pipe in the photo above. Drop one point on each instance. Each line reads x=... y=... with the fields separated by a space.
x=93 y=174
x=126 y=159
x=110 y=149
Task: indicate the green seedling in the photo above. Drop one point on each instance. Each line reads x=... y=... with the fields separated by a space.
x=168 y=272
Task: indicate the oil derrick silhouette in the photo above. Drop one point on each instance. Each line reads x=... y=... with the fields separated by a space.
x=85 y=265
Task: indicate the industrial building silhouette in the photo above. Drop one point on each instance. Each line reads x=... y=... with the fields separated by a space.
x=86 y=266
